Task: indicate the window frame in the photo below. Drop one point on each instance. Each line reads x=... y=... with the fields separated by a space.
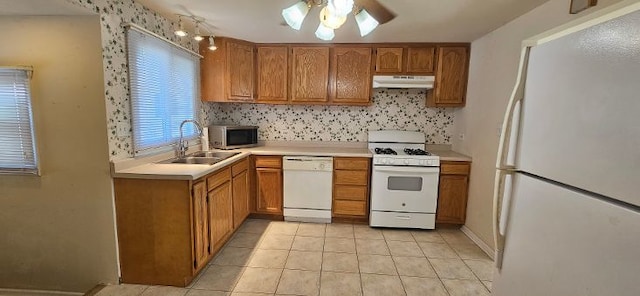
x=190 y=132
x=34 y=169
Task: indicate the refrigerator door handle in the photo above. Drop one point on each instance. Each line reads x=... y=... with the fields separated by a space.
x=506 y=145
x=508 y=133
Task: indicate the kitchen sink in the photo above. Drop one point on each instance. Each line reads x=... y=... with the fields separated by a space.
x=202 y=157
x=218 y=154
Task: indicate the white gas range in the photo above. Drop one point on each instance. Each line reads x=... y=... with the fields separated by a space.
x=404 y=180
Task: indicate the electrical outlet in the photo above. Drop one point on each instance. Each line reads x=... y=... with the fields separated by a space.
x=499 y=129
x=461 y=136
x=122 y=130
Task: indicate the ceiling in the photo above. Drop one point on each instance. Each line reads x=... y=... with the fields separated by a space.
x=41 y=7
x=417 y=20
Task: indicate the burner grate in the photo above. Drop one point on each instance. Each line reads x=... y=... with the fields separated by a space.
x=385 y=151
x=416 y=151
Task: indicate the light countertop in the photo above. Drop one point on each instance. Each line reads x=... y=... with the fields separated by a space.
x=450 y=155
x=148 y=168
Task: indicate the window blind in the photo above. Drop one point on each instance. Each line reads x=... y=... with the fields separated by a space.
x=164 y=88
x=17 y=144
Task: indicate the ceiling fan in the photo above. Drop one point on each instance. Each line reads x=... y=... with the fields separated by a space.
x=368 y=14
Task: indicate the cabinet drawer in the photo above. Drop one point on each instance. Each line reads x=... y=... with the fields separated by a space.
x=344 y=163
x=239 y=167
x=269 y=162
x=346 y=192
x=351 y=177
x=218 y=178
x=349 y=208
x=454 y=168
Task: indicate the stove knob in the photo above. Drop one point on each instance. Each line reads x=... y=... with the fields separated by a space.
x=424 y=162
x=406 y=161
x=392 y=161
x=384 y=160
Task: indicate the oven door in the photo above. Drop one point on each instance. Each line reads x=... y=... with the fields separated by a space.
x=404 y=189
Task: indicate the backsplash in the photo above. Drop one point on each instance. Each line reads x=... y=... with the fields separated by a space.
x=391 y=109
x=113 y=14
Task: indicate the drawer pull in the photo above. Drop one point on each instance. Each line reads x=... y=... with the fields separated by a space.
x=403 y=217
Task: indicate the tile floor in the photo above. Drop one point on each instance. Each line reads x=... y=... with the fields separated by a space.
x=285 y=258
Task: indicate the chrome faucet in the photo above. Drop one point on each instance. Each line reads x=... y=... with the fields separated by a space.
x=182 y=144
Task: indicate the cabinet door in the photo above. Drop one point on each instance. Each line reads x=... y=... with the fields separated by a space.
x=213 y=72
x=239 y=71
x=420 y=60
x=389 y=60
x=451 y=77
x=309 y=74
x=351 y=75
x=452 y=199
x=200 y=224
x=240 y=185
x=272 y=74
x=269 y=186
x=220 y=213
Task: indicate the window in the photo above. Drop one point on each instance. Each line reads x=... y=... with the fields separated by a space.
x=17 y=144
x=163 y=83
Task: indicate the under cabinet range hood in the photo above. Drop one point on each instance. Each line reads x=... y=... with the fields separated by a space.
x=384 y=81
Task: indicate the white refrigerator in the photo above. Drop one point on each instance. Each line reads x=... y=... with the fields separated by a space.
x=567 y=192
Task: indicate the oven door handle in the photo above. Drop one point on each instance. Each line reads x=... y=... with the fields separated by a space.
x=406 y=169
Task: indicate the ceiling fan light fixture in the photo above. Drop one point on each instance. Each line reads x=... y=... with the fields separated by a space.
x=325 y=33
x=180 y=31
x=366 y=23
x=294 y=15
x=212 y=44
x=340 y=8
x=331 y=20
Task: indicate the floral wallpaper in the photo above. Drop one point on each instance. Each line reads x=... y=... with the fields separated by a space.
x=113 y=14
x=391 y=109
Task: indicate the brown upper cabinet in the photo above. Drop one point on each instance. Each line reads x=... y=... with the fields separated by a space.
x=351 y=75
x=389 y=60
x=309 y=74
x=420 y=60
x=227 y=74
x=272 y=74
x=337 y=74
x=451 y=77
x=411 y=60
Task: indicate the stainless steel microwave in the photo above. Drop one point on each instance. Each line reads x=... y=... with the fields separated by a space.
x=233 y=136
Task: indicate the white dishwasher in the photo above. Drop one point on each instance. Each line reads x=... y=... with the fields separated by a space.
x=308 y=184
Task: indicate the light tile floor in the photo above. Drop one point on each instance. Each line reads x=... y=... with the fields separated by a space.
x=290 y=258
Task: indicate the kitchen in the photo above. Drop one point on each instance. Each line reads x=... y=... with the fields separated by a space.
x=471 y=129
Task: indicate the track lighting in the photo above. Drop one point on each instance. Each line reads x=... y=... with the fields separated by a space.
x=212 y=44
x=180 y=31
x=196 y=34
x=200 y=23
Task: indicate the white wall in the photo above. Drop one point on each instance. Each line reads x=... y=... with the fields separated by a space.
x=492 y=72
x=57 y=231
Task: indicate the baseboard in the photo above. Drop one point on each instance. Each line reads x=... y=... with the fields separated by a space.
x=476 y=239
x=20 y=292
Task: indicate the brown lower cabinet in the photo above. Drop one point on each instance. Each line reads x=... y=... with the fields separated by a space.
x=351 y=177
x=453 y=192
x=269 y=185
x=168 y=230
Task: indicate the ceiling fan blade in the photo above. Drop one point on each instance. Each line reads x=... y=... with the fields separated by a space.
x=376 y=10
